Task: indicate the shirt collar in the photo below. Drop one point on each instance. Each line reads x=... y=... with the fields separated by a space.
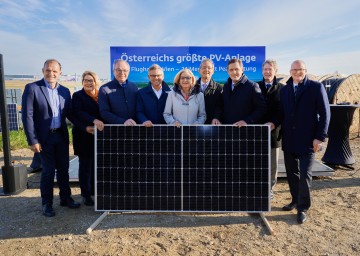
x=49 y=86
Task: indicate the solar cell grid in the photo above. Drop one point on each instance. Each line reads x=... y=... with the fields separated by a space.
x=192 y=168
x=12 y=117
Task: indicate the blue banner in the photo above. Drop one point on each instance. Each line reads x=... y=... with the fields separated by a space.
x=173 y=59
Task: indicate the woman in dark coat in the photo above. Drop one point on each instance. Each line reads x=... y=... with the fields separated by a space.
x=85 y=113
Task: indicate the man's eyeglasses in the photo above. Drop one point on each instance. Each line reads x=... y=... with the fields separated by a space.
x=121 y=70
x=297 y=69
x=153 y=76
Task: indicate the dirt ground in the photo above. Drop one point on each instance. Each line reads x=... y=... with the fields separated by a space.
x=332 y=228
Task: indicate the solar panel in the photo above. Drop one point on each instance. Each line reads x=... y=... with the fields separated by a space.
x=191 y=168
x=12 y=117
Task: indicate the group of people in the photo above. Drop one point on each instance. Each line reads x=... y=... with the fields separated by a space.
x=298 y=114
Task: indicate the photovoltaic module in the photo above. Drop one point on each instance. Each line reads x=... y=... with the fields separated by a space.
x=200 y=168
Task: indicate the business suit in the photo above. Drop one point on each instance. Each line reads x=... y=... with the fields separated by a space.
x=84 y=111
x=149 y=107
x=303 y=118
x=272 y=98
x=244 y=102
x=212 y=96
x=37 y=116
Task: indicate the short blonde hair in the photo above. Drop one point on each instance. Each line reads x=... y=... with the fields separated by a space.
x=93 y=75
x=177 y=76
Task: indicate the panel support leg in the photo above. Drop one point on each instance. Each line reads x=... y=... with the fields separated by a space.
x=267 y=224
x=97 y=222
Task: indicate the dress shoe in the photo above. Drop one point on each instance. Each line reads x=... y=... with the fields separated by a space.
x=32 y=170
x=69 y=203
x=289 y=207
x=88 y=201
x=301 y=217
x=48 y=211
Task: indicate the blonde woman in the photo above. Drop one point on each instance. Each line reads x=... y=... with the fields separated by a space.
x=85 y=113
x=185 y=103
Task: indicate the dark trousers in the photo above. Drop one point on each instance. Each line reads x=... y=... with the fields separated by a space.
x=86 y=175
x=54 y=155
x=299 y=176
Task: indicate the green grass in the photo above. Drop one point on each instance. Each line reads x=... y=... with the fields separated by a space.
x=18 y=139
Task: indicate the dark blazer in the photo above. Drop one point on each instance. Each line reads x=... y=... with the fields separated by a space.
x=305 y=118
x=84 y=111
x=245 y=102
x=212 y=96
x=149 y=107
x=117 y=103
x=37 y=113
x=272 y=98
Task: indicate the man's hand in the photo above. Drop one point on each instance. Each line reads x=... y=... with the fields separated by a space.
x=148 y=123
x=317 y=145
x=130 y=122
x=271 y=125
x=240 y=123
x=177 y=124
x=215 y=122
x=36 y=148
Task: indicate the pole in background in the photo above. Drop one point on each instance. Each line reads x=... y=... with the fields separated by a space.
x=14 y=176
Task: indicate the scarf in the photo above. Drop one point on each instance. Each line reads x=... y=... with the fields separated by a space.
x=95 y=96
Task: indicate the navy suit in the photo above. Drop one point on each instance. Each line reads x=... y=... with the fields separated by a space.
x=245 y=102
x=303 y=118
x=149 y=107
x=117 y=103
x=36 y=118
x=84 y=111
x=212 y=96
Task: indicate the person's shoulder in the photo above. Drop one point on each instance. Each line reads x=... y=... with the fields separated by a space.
x=78 y=93
x=144 y=90
x=132 y=85
x=36 y=83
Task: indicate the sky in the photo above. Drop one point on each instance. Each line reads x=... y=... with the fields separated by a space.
x=323 y=33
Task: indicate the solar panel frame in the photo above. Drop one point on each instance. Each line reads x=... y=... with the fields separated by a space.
x=12 y=117
x=184 y=193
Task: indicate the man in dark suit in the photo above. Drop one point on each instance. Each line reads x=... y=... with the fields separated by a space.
x=271 y=91
x=117 y=98
x=151 y=99
x=242 y=101
x=212 y=90
x=45 y=106
x=304 y=117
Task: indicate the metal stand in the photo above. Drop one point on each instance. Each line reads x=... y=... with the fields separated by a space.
x=267 y=224
x=97 y=222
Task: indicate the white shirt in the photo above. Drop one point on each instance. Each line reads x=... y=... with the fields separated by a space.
x=157 y=93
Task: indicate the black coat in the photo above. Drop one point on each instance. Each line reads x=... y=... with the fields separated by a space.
x=245 y=102
x=272 y=98
x=212 y=96
x=84 y=111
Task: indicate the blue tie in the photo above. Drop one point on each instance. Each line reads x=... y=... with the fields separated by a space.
x=268 y=86
x=295 y=89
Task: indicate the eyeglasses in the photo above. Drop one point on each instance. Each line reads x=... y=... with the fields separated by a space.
x=298 y=69
x=153 y=76
x=121 y=70
x=185 y=78
x=88 y=81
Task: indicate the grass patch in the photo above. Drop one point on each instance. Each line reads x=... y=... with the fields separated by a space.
x=18 y=139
